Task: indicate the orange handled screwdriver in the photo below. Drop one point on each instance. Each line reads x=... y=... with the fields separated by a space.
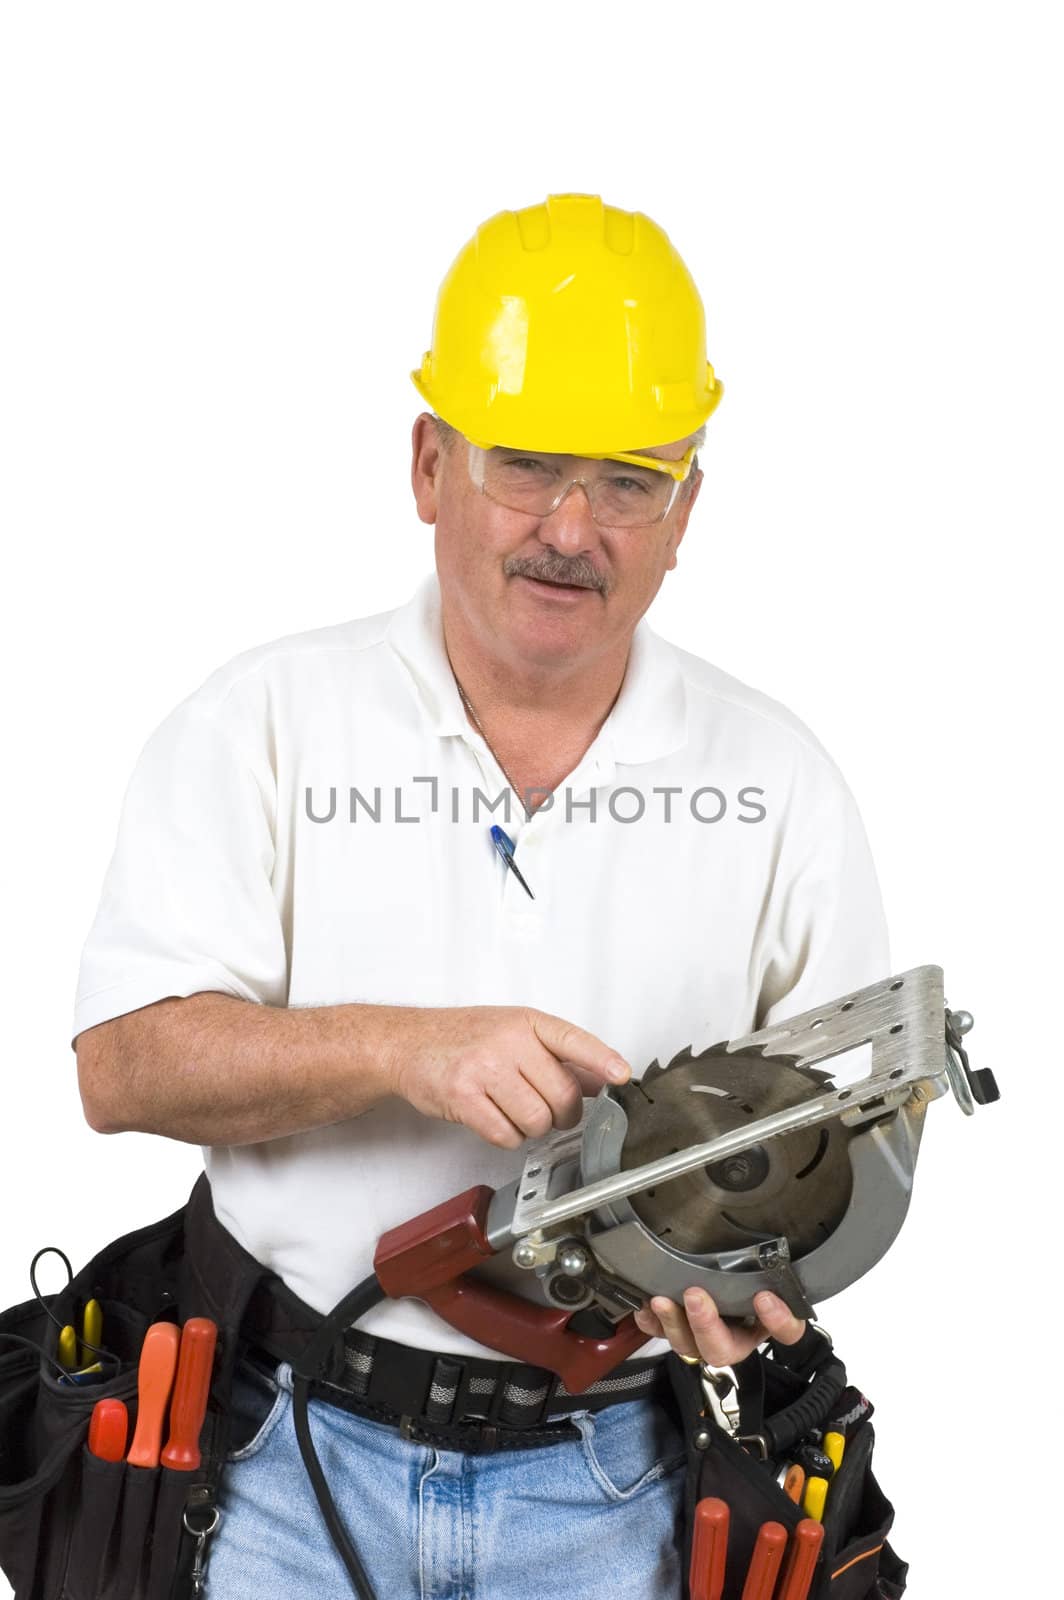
x=709 y=1549
x=108 y=1430
x=189 y=1405
x=794 y=1482
x=155 y=1374
x=765 y=1561
x=801 y=1559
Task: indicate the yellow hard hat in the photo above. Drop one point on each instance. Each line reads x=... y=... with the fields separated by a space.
x=570 y=326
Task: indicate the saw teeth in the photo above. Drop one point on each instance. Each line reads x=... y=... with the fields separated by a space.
x=682 y=1055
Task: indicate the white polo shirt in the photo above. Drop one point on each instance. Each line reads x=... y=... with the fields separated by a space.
x=301 y=832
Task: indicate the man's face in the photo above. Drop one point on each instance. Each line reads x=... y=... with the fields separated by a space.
x=542 y=590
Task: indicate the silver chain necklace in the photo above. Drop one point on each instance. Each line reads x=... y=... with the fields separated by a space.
x=480 y=729
x=501 y=841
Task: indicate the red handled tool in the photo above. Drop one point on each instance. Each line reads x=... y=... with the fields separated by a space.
x=709 y=1549
x=109 y=1430
x=765 y=1561
x=427 y=1259
x=801 y=1560
x=189 y=1405
x=155 y=1375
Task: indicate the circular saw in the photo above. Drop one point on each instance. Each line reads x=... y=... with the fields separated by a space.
x=740 y=1167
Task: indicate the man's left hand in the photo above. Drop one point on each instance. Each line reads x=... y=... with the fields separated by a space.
x=697 y=1329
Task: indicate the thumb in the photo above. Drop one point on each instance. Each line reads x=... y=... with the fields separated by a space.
x=779 y=1319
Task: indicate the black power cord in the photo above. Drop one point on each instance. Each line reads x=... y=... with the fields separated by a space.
x=311 y=1366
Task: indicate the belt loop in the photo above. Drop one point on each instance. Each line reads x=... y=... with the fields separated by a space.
x=477 y=1389
x=523 y=1396
x=359 y=1350
x=443 y=1389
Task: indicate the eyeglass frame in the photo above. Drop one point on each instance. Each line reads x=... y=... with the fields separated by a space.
x=678 y=471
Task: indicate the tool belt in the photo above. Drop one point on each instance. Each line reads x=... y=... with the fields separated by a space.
x=737 y=1445
x=476 y=1406
x=74 y=1527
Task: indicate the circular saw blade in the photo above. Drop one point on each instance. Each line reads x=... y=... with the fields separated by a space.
x=797 y=1184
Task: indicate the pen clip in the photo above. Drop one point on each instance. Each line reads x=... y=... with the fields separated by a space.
x=505 y=846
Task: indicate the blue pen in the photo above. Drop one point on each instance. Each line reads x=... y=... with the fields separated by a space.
x=505 y=846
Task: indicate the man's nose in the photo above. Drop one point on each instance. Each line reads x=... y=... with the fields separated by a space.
x=570 y=527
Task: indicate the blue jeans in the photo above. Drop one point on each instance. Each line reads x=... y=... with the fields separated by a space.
x=589 y=1517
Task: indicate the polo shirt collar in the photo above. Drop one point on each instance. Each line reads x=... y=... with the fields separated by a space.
x=649 y=719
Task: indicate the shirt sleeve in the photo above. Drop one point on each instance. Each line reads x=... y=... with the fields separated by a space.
x=188 y=903
x=825 y=933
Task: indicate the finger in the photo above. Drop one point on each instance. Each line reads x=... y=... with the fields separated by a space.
x=719 y=1343
x=645 y=1319
x=557 y=1086
x=675 y=1327
x=778 y=1319
x=494 y=1125
x=519 y=1100
x=583 y=1051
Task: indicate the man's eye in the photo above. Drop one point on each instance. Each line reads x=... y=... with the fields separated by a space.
x=526 y=462
x=628 y=484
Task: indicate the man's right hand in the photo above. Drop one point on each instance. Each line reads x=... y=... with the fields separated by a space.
x=508 y=1072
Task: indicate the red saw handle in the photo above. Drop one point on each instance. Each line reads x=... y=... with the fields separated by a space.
x=424 y=1259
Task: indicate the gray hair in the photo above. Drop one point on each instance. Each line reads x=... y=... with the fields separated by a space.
x=445 y=434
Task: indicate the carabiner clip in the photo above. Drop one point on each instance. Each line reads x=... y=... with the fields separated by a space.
x=721 y=1389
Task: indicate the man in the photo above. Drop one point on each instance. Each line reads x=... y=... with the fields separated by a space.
x=311 y=959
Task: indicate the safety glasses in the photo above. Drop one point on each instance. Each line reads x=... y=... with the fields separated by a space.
x=623 y=490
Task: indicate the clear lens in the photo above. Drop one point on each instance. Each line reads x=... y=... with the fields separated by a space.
x=621 y=496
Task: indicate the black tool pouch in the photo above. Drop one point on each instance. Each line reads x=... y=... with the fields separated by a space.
x=73 y=1527
x=855 y=1562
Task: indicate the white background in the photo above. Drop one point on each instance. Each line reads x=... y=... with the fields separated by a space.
x=224 y=229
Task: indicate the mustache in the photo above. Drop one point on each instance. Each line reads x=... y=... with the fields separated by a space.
x=553 y=568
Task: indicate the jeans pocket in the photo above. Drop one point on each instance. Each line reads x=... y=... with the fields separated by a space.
x=629 y=1446
x=259 y=1401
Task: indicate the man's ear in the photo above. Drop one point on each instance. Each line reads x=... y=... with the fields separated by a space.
x=426 y=465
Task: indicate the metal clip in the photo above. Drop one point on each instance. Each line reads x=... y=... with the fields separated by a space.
x=201 y=1535
x=721 y=1389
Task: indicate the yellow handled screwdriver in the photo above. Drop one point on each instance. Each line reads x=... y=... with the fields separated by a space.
x=68 y=1348
x=816 y=1493
x=91 y=1331
x=834 y=1448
